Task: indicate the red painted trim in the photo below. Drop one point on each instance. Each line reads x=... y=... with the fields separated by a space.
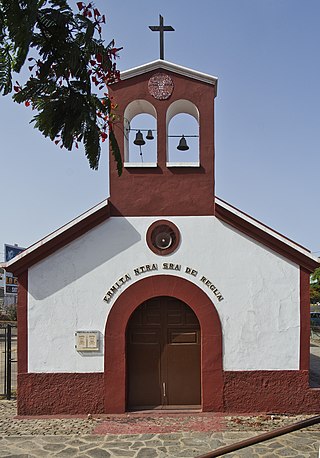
x=266 y=239
x=22 y=312
x=243 y=392
x=60 y=393
x=304 y=319
x=270 y=391
x=60 y=240
x=173 y=228
x=262 y=224
x=115 y=342
x=162 y=191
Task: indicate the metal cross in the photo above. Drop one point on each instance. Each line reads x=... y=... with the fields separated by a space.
x=161 y=28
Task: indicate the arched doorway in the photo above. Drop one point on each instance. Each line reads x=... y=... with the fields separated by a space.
x=163 y=356
x=115 y=338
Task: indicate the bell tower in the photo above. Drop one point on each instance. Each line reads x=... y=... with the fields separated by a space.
x=157 y=178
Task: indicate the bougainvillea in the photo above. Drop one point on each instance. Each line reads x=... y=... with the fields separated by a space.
x=69 y=71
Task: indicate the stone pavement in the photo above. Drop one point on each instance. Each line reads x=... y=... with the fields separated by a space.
x=194 y=434
x=183 y=445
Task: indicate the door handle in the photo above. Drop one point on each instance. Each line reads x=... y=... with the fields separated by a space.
x=164 y=389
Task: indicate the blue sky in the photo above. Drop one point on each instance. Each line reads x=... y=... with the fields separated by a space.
x=266 y=56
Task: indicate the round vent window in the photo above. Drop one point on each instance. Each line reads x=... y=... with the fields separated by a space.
x=163 y=237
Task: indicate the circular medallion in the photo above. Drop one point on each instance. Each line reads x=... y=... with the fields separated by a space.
x=160 y=86
x=163 y=237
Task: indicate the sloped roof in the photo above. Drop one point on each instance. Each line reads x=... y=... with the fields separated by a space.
x=266 y=235
x=165 y=65
x=58 y=238
x=224 y=211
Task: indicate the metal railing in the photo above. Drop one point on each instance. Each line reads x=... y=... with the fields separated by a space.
x=261 y=438
x=8 y=359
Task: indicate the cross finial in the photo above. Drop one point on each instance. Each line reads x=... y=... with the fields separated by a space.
x=161 y=28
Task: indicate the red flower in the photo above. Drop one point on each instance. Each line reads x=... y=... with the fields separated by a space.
x=114 y=51
x=104 y=136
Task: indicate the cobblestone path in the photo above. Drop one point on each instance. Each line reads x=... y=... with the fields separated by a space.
x=182 y=445
x=92 y=438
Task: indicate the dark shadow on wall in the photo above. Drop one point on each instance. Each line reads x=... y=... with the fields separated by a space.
x=68 y=264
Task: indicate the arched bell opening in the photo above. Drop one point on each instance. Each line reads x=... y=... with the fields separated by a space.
x=140 y=134
x=183 y=148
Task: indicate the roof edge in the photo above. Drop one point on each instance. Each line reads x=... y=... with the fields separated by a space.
x=156 y=64
x=60 y=237
x=266 y=235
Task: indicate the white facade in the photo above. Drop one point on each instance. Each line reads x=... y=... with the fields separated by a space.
x=259 y=304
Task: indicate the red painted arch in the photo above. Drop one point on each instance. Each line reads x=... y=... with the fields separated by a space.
x=115 y=338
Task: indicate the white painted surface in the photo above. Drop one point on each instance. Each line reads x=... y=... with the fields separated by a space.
x=259 y=312
x=165 y=65
x=182 y=106
x=140 y=164
x=183 y=164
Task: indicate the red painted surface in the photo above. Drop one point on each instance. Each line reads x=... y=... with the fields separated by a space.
x=230 y=391
x=162 y=190
x=22 y=313
x=304 y=319
x=115 y=344
x=243 y=392
x=153 y=422
x=170 y=225
x=60 y=393
x=270 y=391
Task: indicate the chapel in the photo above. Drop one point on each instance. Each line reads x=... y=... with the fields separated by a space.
x=164 y=296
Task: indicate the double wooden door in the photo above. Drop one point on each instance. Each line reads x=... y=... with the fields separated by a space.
x=163 y=355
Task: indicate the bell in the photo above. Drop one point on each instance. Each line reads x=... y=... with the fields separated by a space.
x=149 y=135
x=182 y=144
x=139 y=139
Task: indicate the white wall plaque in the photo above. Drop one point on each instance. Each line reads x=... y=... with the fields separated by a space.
x=87 y=340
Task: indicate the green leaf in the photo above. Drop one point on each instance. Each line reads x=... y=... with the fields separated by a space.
x=5 y=71
x=60 y=88
x=92 y=145
x=115 y=151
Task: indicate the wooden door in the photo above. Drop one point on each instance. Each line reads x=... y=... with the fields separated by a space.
x=163 y=355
